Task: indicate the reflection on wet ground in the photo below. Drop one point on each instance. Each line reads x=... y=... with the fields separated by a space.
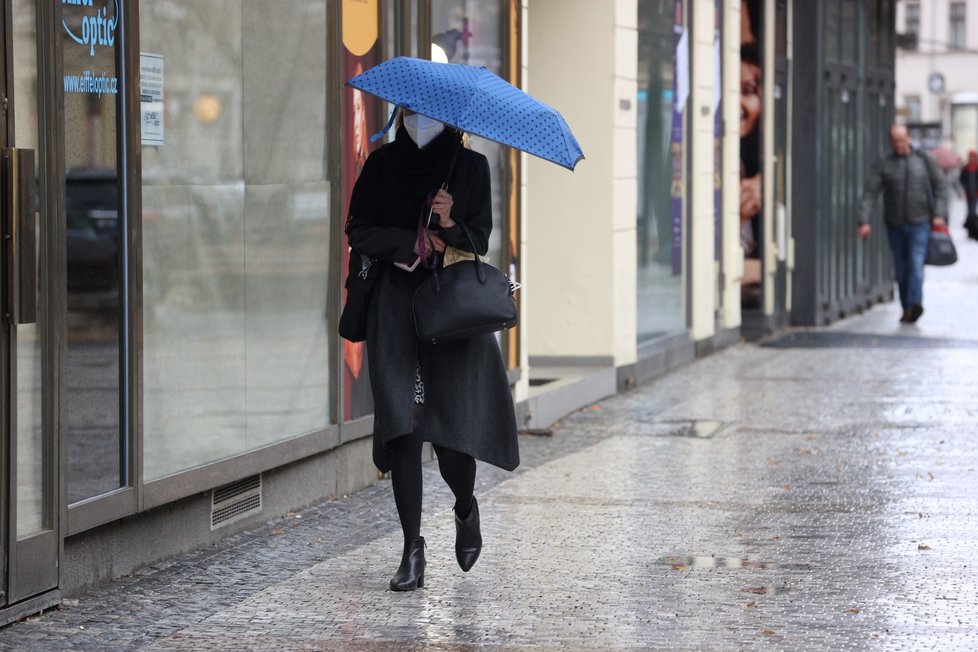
x=811 y=339
x=832 y=508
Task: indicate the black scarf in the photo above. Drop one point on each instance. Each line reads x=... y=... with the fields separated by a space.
x=419 y=171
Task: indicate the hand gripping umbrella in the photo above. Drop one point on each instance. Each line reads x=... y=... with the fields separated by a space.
x=473 y=100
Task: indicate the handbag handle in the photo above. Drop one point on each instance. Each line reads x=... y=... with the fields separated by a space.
x=480 y=271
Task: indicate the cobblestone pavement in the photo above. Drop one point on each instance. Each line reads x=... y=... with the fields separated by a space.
x=815 y=491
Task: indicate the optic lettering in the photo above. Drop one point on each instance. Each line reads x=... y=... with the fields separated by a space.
x=95 y=30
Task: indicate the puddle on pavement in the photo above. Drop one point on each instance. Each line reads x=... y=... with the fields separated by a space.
x=685 y=562
x=697 y=428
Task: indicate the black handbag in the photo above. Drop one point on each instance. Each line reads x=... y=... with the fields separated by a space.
x=360 y=282
x=467 y=298
x=940 y=248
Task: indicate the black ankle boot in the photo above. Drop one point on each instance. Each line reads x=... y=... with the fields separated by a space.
x=468 y=538
x=410 y=574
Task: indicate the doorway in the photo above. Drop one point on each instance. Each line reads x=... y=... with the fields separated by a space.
x=30 y=524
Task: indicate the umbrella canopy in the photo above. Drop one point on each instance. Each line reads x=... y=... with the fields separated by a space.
x=476 y=101
x=946 y=157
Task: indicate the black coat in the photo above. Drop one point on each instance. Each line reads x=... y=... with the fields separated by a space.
x=468 y=404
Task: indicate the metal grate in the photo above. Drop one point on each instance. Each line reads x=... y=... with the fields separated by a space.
x=235 y=501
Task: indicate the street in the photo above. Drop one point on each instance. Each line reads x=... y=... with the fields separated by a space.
x=813 y=491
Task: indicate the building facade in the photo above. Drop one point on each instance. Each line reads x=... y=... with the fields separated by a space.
x=171 y=371
x=937 y=92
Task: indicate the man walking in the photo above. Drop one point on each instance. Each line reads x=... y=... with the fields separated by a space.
x=914 y=198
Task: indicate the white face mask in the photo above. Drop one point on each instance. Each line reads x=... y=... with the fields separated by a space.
x=422 y=129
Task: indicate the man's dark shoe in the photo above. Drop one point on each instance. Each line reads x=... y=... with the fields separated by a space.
x=905 y=316
x=468 y=538
x=914 y=313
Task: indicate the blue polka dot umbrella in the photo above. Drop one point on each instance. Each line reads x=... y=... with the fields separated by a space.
x=476 y=101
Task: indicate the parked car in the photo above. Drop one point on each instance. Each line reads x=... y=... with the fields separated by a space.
x=92 y=213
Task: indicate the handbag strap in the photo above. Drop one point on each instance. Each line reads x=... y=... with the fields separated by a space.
x=480 y=271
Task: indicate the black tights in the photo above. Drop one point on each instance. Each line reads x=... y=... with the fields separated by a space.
x=457 y=469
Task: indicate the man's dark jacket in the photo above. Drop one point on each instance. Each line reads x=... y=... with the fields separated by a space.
x=913 y=189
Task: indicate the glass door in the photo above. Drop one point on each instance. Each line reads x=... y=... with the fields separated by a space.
x=96 y=396
x=30 y=537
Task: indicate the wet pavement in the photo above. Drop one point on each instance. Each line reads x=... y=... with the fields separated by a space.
x=814 y=491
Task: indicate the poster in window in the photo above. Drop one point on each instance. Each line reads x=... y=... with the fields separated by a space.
x=751 y=148
x=361 y=50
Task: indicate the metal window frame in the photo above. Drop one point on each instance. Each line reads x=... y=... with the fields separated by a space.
x=33 y=571
x=97 y=510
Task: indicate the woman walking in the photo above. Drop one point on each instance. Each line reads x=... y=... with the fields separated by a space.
x=456 y=394
x=969 y=181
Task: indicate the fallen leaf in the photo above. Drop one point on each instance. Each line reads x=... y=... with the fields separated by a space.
x=923 y=546
x=751 y=605
x=773 y=460
x=768 y=632
x=278 y=531
x=596 y=408
x=786 y=487
x=680 y=567
x=930 y=475
x=758 y=590
x=852 y=611
x=811 y=437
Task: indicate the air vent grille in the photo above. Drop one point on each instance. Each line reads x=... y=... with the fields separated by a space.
x=236 y=501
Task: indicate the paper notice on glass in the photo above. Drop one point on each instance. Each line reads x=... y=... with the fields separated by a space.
x=682 y=71
x=151 y=97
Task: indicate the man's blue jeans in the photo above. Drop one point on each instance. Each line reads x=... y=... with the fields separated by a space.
x=909 y=246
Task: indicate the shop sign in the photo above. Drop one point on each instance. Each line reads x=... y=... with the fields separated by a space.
x=96 y=29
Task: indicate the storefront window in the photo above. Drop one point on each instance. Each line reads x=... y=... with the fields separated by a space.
x=236 y=228
x=471 y=33
x=660 y=305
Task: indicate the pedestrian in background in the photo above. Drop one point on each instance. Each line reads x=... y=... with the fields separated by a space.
x=969 y=181
x=914 y=199
x=454 y=394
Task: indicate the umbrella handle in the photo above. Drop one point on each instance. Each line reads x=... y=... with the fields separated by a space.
x=423 y=231
x=451 y=165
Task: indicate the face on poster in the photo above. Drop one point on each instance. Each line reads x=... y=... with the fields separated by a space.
x=361 y=28
x=751 y=143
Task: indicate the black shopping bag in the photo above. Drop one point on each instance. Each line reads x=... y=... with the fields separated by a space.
x=940 y=247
